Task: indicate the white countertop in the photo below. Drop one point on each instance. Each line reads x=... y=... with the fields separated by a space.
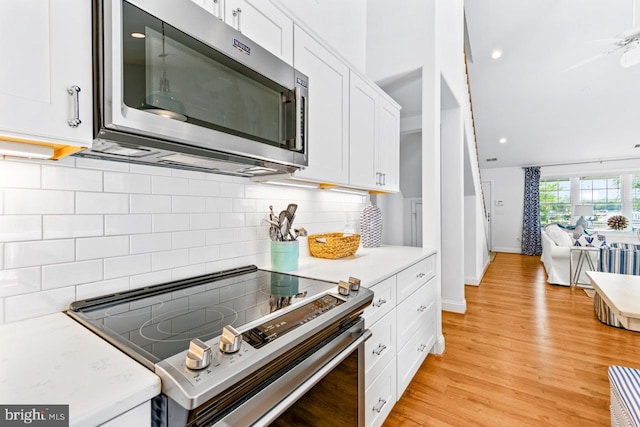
x=54 y=360
x=370 y=265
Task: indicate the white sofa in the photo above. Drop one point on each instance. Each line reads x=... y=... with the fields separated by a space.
x=556 y=248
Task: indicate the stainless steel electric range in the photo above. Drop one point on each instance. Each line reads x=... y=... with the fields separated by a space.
x=237 y=347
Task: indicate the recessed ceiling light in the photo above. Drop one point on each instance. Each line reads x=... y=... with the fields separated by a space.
x=503 y=140
x=492 y=159
x=497 y=53
x=138 y=35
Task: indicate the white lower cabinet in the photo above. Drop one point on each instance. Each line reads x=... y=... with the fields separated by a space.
x=138 y=416
x=380 y=396
x=402 y=319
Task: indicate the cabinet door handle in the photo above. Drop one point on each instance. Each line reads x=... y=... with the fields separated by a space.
x=422 y=308
x=378 y=407
x=216 y=9
x=379 y=302
x=422 y=348
x=379 y=350
x=236 y=13
x=384 y=178
x=75 y=121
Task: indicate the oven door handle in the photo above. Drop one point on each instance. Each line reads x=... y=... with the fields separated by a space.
x=296 y=394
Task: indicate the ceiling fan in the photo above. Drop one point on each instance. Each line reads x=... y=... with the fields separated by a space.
x=627 y=42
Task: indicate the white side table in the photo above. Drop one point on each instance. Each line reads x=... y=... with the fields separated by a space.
x=584 y=255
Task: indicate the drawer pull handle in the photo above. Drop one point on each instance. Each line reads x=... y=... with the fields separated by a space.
x=379 y=350
x=379 y=302
x=422 y=308
x=420 y=275
x=422 y=348
x=378 y=407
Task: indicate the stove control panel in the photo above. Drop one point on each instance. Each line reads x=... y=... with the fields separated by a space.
x=198 y=355
x=230 y=340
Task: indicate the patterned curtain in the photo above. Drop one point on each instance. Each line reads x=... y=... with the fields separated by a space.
x=531 y=240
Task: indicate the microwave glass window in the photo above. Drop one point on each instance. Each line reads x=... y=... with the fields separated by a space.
x=169 y=73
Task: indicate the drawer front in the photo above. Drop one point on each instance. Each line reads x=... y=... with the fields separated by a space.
x=381 y=396
x=413 y=277
x=413 y=311
x=413 y=354
x=380 y=348
x=384 y=300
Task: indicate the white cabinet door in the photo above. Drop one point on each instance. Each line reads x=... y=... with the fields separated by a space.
x=380 y=396
x=328 y=110
x=388 y=146
x=263 y=23
x=45 y=49
x=214 y=7
x=363 y=107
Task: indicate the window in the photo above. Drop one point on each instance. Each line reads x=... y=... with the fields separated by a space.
x=604 y=193
x=555 y=201
x=635 y=201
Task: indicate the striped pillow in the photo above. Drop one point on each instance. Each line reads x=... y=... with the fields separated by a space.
x=617 y=260
x=625 y=386
x=631 y=246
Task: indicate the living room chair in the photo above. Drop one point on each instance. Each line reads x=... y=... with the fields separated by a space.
x=620 y=260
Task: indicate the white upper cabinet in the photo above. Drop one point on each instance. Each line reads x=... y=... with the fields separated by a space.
x=374 y=138
x=328 y=110
x=259 y=20
x=45 y=76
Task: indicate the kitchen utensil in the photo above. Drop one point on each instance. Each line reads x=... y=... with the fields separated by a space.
x=291 y=214
x=300 y=232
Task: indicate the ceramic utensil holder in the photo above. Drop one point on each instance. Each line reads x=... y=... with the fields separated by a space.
x=284 y=255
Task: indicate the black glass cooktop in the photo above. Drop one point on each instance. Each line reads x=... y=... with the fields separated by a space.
x=160 y=321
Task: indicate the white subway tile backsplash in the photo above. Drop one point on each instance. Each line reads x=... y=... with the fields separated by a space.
x=220 y=265
x=181 y=173
x=36 y=304
x=217 y=204
x=19 y=281
x=127 y=266
x=169 y=259
x=19 y=175
x=222 y=235
x=101 y=247
x=127 y=224
x=230 y=189
x=187 y=239
x=73 y=273
x=228 y=220
x=37 y=202
x=152 y=242
x=188 y=271
x=244 y=205
x=204 y=188
x=169 y=185
x=57 y=178
x=150 y=204
x=68 y=226
x=20 y=227
x=104 y=287
x=170 y=222
x=102 y=203
x=104 y=165
x=27 y=254
x=154 y=278
x=189 y=204
x=1 y=255
x=244 y=234
x=232 y=250
x=126 y=183
x=204 y=221
x=204 y=254
x=1 y=311
x=150 y=170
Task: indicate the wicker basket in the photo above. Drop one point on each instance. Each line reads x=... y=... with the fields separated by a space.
x=333 y=245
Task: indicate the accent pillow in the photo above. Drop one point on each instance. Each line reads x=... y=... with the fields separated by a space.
x=631 y=246
x=589 y=241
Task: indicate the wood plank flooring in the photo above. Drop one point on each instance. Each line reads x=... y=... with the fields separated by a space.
x=526 y=353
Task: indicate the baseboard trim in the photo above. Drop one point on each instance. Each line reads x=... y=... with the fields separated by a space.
x=508 y=250
x=472 y=281
x=455 y=306
x=438 y=347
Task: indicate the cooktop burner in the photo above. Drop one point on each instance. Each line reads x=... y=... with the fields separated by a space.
x=163 y=324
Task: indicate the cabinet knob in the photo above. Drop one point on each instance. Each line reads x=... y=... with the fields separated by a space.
x=379 y=302
x=422 y=348
x=422 y=308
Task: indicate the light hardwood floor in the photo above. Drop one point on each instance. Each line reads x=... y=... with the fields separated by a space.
x=526 y=353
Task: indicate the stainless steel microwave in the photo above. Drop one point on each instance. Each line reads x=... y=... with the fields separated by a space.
x=175 y=86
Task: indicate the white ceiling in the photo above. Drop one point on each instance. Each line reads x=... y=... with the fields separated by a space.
x=547 y=114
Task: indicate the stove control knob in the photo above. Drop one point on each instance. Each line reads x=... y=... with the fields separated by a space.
x=343 y=288
x=199 y=355
x=354 y=283
x=230 y=340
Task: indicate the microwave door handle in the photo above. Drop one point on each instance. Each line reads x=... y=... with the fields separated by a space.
x=300 y=110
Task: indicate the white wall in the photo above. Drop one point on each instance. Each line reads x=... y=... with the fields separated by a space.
x=476 y=257
x=508 y=189
x=80 y=228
